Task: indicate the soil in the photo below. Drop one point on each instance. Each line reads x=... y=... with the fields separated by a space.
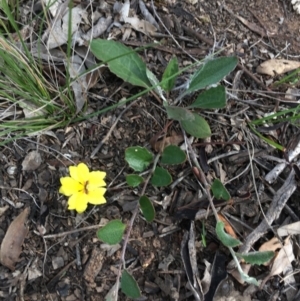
x=78 y=266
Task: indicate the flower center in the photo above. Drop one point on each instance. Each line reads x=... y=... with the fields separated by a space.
x=85 y=187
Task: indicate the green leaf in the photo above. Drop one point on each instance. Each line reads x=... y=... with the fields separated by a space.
x=219 y=191
x=155 y=83
x=172 y=154
x=226 y=239
x=161 y=177
x=147 y=208
x=112 y=232
x=198 y=127
x=211 y=73
x=134 y=180
x=256 y=257
x=138 y=157
x=213 y=98
x=129 y=285
x=248 y=279
x=179 y=114
x=122 y=61
x=168 y=83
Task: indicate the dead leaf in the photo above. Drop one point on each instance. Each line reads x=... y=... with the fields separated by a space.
x=271 y=245
x=79 y=85
x=59 y=33
x=139 y=25
x=282 y=261
x=147 y=15
x=274 y=67
x=98 y=29
x=296 y=5
x=189 y=259
x=11 y=246
x=227 y=226
x=233 y=296
x=171 y=140
x=290 y=229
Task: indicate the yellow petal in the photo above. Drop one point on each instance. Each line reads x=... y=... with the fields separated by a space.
x=95 y=180
x=78 y=201
x=96 y=197
x=69 y=186
x=79 y=173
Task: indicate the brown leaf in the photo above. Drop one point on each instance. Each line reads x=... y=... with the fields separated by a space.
x=283 y=260
x=11 y=246
x=227 y=226
x=273 y=67
x=271 y=245
x=171 y=140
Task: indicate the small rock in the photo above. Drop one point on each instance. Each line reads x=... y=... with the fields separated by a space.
x=32 y=161
x=11 y=170
x=57 y=262
x=63 y=288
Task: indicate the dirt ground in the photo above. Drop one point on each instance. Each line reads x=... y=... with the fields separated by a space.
x=78 y=266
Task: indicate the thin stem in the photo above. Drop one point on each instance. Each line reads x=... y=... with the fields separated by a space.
x=134 y=214
x=202 y=179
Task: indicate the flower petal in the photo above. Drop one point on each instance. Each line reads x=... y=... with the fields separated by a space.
x=95 y=180
x=78 y=201
x=79 y=173
x=96 y=197
x=69 y=186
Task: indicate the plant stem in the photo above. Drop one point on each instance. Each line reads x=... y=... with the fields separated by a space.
x=134 y=214
x=201 y=177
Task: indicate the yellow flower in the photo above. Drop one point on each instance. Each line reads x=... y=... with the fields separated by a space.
x=83 y=187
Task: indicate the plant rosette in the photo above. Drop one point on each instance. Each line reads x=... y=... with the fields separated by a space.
x=83 y=187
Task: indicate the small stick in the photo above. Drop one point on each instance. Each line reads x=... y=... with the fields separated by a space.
x=96 y=150
x=71 y=232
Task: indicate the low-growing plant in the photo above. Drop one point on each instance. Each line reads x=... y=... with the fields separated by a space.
x=126 y=64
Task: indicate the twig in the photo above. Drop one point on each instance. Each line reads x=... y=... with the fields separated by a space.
x=71 y=232
x=167 y=30
x=201 y=177
x=278 y=202
x=96 y=150
x=277 y=170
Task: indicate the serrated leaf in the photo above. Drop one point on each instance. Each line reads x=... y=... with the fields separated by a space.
x=211 y=73
x=198 y=127
x=112 y=232
x=256 y=257
x=219 y=191
x=147 y=208
x=134 y=180
x=161 y=177
x=168 y=83
x=138 y=157
x=122 y=61
x=129 y=285
x=226 y=239
x=172 y=154
x=179 y=114
x=213 y=98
